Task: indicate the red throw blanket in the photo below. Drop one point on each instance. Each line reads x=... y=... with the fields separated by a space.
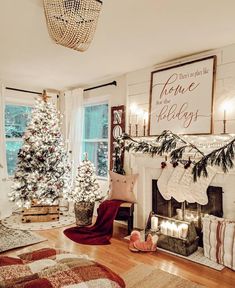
x=102 y=231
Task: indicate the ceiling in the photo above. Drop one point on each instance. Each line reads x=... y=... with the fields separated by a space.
x=131 y=35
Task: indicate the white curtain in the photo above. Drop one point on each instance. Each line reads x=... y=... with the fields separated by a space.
x=73 y=102
x=2 y=133
x=5 y=183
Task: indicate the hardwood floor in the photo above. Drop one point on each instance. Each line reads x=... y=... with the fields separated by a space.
x=118 y=258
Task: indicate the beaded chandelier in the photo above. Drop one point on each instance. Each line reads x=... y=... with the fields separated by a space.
x=72 y=23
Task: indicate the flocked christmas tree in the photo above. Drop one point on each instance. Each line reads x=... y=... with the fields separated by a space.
x=86 y=185
x=43 y=172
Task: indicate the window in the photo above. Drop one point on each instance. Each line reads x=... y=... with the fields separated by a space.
x=95 y=137
x=16 y=120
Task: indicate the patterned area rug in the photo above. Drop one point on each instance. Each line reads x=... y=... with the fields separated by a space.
x=197 y=256
x=146 y=276
x=12 y=238
x=14 y=221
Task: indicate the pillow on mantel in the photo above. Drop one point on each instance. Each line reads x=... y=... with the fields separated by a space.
x=121 y=187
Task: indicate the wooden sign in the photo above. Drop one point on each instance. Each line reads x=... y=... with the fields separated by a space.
x=181 y=98
x=117 y=128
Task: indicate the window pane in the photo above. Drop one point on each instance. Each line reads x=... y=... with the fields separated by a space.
x=98 y=154
x=16 y=120
x=96 y=122
x=12 y=149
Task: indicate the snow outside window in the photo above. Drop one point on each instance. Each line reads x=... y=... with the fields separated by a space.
x=16 y=120
x=95 y=137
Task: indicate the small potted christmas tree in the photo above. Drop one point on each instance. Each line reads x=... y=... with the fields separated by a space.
x=85 y=193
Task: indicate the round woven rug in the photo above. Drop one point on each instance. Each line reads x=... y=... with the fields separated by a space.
x=14 y=221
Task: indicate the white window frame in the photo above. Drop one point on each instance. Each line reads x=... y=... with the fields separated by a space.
x=93 y=102
x=20 y=99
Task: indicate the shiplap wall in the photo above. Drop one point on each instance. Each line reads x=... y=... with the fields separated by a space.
x=138 y=91
x=138 y=85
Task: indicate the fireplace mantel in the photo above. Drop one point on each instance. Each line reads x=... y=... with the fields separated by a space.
x=149 y=168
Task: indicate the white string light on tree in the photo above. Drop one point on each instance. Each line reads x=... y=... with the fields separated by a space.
x=43 y=172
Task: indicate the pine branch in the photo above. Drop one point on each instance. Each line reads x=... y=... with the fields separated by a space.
x=167 y=142
x=177 y=154
x=222 y=157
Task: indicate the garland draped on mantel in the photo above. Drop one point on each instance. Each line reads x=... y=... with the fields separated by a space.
x=175 y=146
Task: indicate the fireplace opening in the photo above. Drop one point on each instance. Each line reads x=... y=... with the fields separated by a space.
x=191 y=212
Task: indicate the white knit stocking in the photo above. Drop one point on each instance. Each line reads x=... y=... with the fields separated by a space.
x=173 y=186
x=163 y=181
x=185 y=186
x=199 y=188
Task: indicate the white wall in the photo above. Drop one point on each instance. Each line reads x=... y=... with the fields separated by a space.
x=116 y=95
x=138 y=85
x=138 y=91
x=135 y=87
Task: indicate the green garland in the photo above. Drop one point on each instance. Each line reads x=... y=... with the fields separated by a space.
x=167 y=143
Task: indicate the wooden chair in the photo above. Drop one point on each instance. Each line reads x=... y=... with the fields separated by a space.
x=126 y=213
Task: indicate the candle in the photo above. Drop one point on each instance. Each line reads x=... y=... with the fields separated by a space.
x=164 y=228
x=183 y=230
x=145 y=118
x=133 y=112
x=224 y=114
x=179 y=214
x=169 y=229
x=154 y=223
x=175 y=230
x=136 y=123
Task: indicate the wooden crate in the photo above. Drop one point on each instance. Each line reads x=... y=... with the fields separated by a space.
x=177 y=245
x=41 y=213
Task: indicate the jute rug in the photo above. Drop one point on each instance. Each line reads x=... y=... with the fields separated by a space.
x=14 y=222
x=13 y=238
x=145 y=276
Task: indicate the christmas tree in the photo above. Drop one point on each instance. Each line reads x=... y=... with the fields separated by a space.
x=86 y=185
x=102 y=159
x=43 y=172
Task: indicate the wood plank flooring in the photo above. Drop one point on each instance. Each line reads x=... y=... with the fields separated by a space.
x=118 y=258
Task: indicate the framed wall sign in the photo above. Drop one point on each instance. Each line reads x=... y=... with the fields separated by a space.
x=117 y=129
x=181 y=98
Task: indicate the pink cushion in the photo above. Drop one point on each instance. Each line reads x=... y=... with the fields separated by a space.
x=121 y=187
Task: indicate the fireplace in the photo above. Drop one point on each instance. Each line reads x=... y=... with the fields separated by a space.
x=190 y=211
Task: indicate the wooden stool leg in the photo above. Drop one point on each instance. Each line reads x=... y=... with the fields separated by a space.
x=130 y=224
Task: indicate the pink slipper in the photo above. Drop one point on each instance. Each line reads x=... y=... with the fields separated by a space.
x=150 y=245
x=135 y=236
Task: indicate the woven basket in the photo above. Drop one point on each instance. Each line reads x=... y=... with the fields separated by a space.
x=72 y=23
x=83 y=213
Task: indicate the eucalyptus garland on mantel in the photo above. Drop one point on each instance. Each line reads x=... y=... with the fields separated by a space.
x=176 y=147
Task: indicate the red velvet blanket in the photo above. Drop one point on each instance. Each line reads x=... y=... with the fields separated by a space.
x=101 y=232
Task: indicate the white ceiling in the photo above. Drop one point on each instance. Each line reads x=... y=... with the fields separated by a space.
x=131 y=34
